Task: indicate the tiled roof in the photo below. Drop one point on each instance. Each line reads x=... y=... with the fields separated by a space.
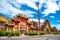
x=2 y=19
x=24 y=16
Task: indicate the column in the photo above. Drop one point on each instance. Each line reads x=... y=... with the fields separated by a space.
x=7 y=28
x=27 y=27
x=19 y=27
x=13 y=28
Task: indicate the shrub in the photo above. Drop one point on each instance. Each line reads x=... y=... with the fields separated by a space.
x=0 y=33
x=42 y=33
x=3 y=33
x=9 y=33
x=6 y=33
x=55 y=33
x=16 y=33
x=36 y=33
x=33 y=33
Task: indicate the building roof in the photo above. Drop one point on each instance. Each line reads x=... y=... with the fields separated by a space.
x=10 y=24
x=2 y=28
x=3 y=19
x=9 y=21
x=29 y=22
x=23 y=16
x=15 y=20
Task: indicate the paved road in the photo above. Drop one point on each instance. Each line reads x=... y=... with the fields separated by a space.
x=46 y=37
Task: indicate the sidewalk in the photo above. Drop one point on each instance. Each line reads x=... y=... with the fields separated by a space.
x=21 y=36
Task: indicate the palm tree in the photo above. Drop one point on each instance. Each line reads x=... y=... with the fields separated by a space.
x=39 y=28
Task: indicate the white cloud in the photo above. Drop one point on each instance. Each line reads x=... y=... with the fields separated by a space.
x=28 y=12
x=33 y=19
x=30 y=15
x=41 y=20
x=59 y=4
x=29 y=3
x=52 y=16
x=34 y=0
x=7 y=8
x=15 y=11
x=51 y=6
x=57 y=26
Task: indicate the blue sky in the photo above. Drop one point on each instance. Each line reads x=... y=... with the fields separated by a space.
x=49 y=9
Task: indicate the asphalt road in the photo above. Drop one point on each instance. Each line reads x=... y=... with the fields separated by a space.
x=46 y=37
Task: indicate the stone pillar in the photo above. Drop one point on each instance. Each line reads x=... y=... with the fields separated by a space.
x=26 y=27
x=13 y=28
x=19 y=24
x=7 y=28
x=19 y=27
